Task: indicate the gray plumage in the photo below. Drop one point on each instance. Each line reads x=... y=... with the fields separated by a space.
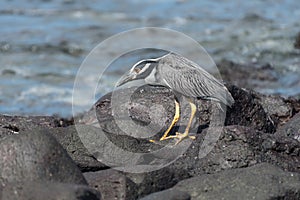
x=181 y=75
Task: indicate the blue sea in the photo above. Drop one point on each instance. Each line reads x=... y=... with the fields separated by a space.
x=43 y=43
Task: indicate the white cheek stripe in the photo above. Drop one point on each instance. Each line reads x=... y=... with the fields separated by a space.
x=153 y=59
x=147 y=65
x=145 y=68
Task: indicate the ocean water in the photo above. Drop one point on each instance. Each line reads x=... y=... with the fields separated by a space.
x=44 y=42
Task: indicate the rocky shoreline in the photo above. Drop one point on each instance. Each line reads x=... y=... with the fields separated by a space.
x=257 y=155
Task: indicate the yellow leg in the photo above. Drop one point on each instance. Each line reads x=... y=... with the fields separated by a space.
x=175 y=119
x=181 y=136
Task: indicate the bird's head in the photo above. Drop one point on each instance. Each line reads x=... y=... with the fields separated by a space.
x=140 y=70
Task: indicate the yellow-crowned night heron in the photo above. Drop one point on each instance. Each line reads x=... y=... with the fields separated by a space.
x=182 y=76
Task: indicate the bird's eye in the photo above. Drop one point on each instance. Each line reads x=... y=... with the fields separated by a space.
x=137 y=70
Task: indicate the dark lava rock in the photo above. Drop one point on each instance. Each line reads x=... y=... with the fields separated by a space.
x=262 y=181
x=48 y=190
x=236 y=147
x=10 y=125
x=6 y=131
x=136 y=108
x=279 y=150
x=62 y=129
x=36 y=156
x=69 y=139
x=291 y=128
x=278 y=108
x=248 y=111
x=170 y=194
x=112 y=184
x=297 y=42
x=262 y=112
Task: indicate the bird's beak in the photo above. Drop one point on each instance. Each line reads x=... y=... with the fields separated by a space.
x=125 y=78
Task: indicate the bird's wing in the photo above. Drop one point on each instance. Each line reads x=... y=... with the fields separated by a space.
x=189 y=79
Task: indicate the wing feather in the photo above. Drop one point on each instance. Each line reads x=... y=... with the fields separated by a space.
x=189 y=79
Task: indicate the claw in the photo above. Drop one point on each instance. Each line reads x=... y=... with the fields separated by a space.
x=179 y=136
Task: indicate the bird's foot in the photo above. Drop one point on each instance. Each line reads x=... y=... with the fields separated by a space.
x=179 y=137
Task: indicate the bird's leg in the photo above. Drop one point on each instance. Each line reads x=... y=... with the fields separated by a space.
x=181 y=136
x=175 y=119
